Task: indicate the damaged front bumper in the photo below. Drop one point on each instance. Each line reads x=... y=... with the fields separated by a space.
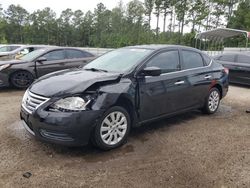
x=70 y=129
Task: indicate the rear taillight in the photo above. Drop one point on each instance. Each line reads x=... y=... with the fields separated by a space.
x=226 y=70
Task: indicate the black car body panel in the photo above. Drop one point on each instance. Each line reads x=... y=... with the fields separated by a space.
x=146 y=98
x=73 y=81
x=238 y=65
x=38 y=69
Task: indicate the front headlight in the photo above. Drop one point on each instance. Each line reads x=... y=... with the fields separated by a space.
x=4 y=66
x=70 y=104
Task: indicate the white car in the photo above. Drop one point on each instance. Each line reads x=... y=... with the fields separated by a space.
x=15 y=51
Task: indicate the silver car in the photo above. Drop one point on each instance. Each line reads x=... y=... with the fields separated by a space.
x=15 y=51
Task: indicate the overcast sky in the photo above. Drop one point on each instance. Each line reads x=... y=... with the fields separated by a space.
x=59 y=5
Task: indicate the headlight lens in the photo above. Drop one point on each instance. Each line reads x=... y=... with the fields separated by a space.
x=70 y=104
x=4 y=66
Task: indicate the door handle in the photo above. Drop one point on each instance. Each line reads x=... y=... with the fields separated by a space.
x=179 y=83
x=208 y=77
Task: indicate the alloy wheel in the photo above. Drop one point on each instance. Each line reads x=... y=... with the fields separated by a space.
x=113 y=128
x=213 y=101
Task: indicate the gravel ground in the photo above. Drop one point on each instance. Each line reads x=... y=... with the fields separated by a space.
x=190 y=150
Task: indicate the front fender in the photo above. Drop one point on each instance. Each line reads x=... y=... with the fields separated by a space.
x=110 y=94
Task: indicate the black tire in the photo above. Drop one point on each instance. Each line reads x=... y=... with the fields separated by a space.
x=97 y=139
x=210 y=106
x=21 y=79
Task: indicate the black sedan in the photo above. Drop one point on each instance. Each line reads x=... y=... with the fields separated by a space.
x=21 y=73
x=119 y=90
x=238 y=65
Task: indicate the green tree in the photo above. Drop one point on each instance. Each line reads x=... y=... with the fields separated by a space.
x=218 y=13
x=172 y=16
x=158 y=4
x=241 y=17
x=77 y=21
x=196 y=13
x=2 y=27
x=16 y=17
x=149 y=6
x=65 y=24
x=44 y=27
x=182 y=9
x=135 y=12
x=165 y=8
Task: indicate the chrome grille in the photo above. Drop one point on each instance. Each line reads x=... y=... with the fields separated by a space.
x=32 y=101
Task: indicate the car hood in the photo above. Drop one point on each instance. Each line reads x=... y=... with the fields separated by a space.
x=69 y=82
x=15 y=61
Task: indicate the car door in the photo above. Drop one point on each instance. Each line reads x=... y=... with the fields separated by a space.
x=77 y=58
x=243 y=69
x=229 y=61
x=55 y=60
x=198 y=76
x=162 y=94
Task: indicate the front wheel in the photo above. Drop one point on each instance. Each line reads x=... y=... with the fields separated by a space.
x=113 y=129
x=212 y=101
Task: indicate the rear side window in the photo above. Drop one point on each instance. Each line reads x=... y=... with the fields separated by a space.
x=227 y=57
x=244 y=59
x=55 y=55
x=166 y=61
x=72 y=54
x=191 y=60
x=14 y=47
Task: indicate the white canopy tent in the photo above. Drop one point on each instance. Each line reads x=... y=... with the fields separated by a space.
x=217 y=36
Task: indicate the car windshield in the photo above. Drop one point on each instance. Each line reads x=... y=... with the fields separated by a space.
x=32 y=55
x=120 y=60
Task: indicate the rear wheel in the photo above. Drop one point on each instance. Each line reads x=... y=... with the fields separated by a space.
x=113 y=129
x=21 y=79
x=212 y=101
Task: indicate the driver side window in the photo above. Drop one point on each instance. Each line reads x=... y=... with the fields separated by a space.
x=55 y=55
x=167 y=61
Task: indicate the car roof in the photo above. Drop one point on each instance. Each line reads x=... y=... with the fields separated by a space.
x=50 y=48
x=26 y=46
x=12 y=45
x=159 y=46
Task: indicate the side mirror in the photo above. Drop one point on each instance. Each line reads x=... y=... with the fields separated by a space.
x=151 y=71
x=41 y=59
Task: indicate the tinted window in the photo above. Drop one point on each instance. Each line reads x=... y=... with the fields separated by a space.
x=191 y=60
x=244 y=59
x=33 y=55
x=166 y=61
x=227 y=57
x=72 y=54
x=14 y=47
x=54 y=55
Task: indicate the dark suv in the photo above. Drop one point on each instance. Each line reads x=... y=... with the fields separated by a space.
x=119 y=90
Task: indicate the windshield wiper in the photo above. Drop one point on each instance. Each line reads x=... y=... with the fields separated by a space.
x=96 y=70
